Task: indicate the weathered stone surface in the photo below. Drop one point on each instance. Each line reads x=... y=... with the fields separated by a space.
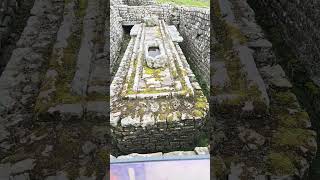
x=180 y=153
x=22 y=166
x=201 y=150
x=88 y=147
x=67 y=112
x=276 y=76
x=59 y=176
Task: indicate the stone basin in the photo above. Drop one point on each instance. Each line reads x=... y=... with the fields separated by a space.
x=154 y=51
x=154 y=55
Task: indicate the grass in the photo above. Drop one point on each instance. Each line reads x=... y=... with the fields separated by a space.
x=193 y=3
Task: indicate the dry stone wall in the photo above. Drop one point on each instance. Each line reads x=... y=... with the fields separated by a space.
x=298 y=22
x=163 y=136
x=116 y=36
x=194 y=27
x=139 y=2
x=132 y=15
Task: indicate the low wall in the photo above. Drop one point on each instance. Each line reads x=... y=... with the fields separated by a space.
x=194 y=27
x=116 y=37
x=139 y=2
x=162 y=136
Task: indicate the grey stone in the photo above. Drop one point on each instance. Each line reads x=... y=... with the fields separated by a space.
x=60 y=176
x=88 y=147
x=67 y=111
x=251 y=137
x=202 y=150
x=24 y=176
x=276 y=76
x=47 y=150
x=3 y=132
x=180 y=153
x=5 y=170
x=80 y=81
x=22 y=166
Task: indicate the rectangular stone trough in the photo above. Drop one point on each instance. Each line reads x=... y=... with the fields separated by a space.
x=155 y=108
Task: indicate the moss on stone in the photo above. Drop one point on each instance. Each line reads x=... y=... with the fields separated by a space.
x=218 y=167
x=313 y=89
x=236 y=34
x=170 y=117
x=97 y=97
x=197 y=113
x=280 y=164
x=103 y=154
x=298 y=119
x=201 y=105
x=292 y=137
x=72 y=171
x=65 y=68
x=162 y=116
x=286 y=99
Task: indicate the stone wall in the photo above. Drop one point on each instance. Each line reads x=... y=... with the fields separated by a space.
x=132 y=15
x=116 y=36
x=139 y=2
x=116 y=2
x=162 y=136
x=194 y=27
x=298 y=22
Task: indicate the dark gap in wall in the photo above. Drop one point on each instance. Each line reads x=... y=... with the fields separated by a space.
x=9 y=35
x=127 y=29
x=124 y=44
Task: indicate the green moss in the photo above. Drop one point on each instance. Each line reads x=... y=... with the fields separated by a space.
x=280 y=164
x=103 y=154
x=312 y=88
x=285 y=99
x=170 y=117
x=150 y=91
x=72 y=171
x=162 y=116
x=201 y=105
x=218 y=167
x=82 y=8
x=197 y=113
x=97 y=97
x=297 y=120
x=291 y=137
x=141 y=112
x=236 y=34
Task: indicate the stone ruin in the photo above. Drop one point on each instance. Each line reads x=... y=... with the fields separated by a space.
x=53 y=108
x=156 y=102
